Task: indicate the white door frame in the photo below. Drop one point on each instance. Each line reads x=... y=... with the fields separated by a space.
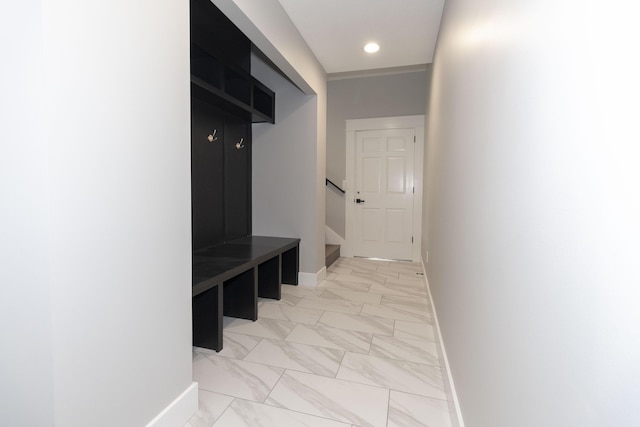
x=400 y=122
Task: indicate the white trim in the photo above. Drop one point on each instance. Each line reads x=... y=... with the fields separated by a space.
x=332 y=238
x=180 y=411
x=377 y=72
x=311 y=279
x=456 y=414
x=399 y=122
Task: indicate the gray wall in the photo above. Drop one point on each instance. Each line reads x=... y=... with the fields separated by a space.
x=360 y=98
x=95 y=247
x=284 y=161
x=271 y=30
x=535 y=210
x=425 y=196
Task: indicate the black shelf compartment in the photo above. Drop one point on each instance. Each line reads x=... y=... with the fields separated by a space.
x=264 y=102
x=229 y=87
x=237 y=86
x=216 y=97
x=205 y=67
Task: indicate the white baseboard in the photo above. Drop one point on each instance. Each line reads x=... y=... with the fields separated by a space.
x=456 y=415
x=180 y=411
x=331 y=237
x=311 y=279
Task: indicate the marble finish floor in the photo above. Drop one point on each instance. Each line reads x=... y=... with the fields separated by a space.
x=358 y=350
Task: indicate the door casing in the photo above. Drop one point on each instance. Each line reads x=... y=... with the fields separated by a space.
x=399 y=122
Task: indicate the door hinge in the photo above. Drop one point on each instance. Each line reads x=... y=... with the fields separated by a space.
x=411 y=239
x=414 y=139
x=414 y=190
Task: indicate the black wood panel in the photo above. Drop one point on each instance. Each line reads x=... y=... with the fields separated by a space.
x=228 y=278
x=270 y=278
x=241 y=295
x=220 y=263
x=207 y=319
x=290 y=266
x=207 y=175
x=237 y=179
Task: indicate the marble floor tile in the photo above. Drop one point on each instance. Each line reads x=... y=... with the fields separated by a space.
x=263 y=327
x=197 y=351
x=331 y=276
x=399 y=289
x=301 y=290
x=412 y=276
x=288 y=313
x=414 y=330
x=354 y=296
x=373 y=261
x=339 y=339
x=425 y=380
x=353 y=278
x=298 y=357
x=357 y=263
x=237 y=346
x=355 y=322
x=243 y=413
x=345 y=270
x=360 y=349
x=417 y=283
x=396 y=313
x=210 y=407
x=366 y=277
x=401 y=267
x=330 y=303
x=409 y=410
x=344 y=401
x=418 y=351
x=405 y=302
x=288 y=299
x=237 y=378
x=342 y=284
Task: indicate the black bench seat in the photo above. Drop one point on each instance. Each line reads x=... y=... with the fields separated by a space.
x=229 y=278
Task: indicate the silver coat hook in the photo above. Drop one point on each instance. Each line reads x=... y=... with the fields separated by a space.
x=212 y=137
x=240 y=144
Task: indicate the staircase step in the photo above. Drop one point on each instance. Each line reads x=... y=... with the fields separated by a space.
x=331 y=254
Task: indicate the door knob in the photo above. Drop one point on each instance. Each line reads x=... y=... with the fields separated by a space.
x=359 y=201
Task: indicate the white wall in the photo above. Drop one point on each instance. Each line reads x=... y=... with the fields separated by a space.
x=271 y=30
x=26 y=358
x=535 y=207
x=100 y=278
x=387 y=95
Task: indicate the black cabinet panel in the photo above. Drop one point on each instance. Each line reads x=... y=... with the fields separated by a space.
x=206 y=67
x=214 y=32
x=221 y=66
x=220 y=175
x=207 y=175
x=237 y=183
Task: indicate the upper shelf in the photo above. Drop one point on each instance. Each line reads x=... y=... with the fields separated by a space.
x=230 y=87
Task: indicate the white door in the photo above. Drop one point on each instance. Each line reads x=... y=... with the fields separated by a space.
x=384 y=193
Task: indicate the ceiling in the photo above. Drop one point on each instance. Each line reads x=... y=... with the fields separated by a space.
x=337 y=30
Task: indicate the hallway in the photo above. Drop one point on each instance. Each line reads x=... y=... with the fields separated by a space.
x=359 y=350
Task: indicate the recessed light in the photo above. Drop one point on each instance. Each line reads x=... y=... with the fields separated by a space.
x=371 y=47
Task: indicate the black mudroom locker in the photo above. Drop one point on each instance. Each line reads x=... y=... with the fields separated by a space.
x=225 y=100
x=220 y=174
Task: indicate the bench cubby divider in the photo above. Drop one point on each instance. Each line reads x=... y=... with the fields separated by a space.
x=228 y=279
